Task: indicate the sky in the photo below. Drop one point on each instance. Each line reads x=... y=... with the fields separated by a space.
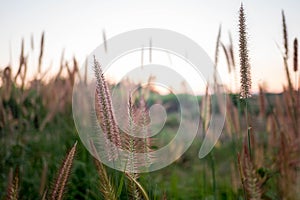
x=77 y=27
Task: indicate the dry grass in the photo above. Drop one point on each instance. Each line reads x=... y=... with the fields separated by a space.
x=245 y=70
x=13 y=186
x=60 y=184
x=268 y=159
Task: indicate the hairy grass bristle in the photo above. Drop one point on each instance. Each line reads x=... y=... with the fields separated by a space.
x=285 y=35
x=106 y=113
x=12 y=192
x=245 y=70
x=62 y=178
x=106 y=187
x=295 y=55
x=41 y=52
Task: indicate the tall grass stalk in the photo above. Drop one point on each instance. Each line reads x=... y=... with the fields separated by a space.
x=211 y=155
x=213 y=171
x=295 y=63
x=286 y=66
x=41 y=52
x=217 y=56
x=244 y=69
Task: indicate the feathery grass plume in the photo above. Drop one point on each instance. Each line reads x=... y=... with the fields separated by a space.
x=102 y=119
x=60 y=183
x=292 y=97
x=251 y=180
x=285 y=35
x=129 y=140
x=22 y=53
x=244 y=59
x=133 y=189
x=297 y=96
x=143 y=119
x=138 y=120
x=285 y=59
x=293 y=104
x=296 y=63
x=10 y=178
x=285 y=56
x=106 y=188
x=217 y=55
x=245 y=71
x=295 y=55
x=217 y=46
x=139 y=186
x=41 y=52
x=104 y=106
x=13 y=187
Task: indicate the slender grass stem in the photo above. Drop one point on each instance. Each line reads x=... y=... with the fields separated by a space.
x=248 y=130
x=213 y=170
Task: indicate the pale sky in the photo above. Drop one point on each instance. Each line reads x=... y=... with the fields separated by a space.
x=77 y=26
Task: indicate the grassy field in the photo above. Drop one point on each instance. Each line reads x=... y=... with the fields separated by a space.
x=257 y=156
